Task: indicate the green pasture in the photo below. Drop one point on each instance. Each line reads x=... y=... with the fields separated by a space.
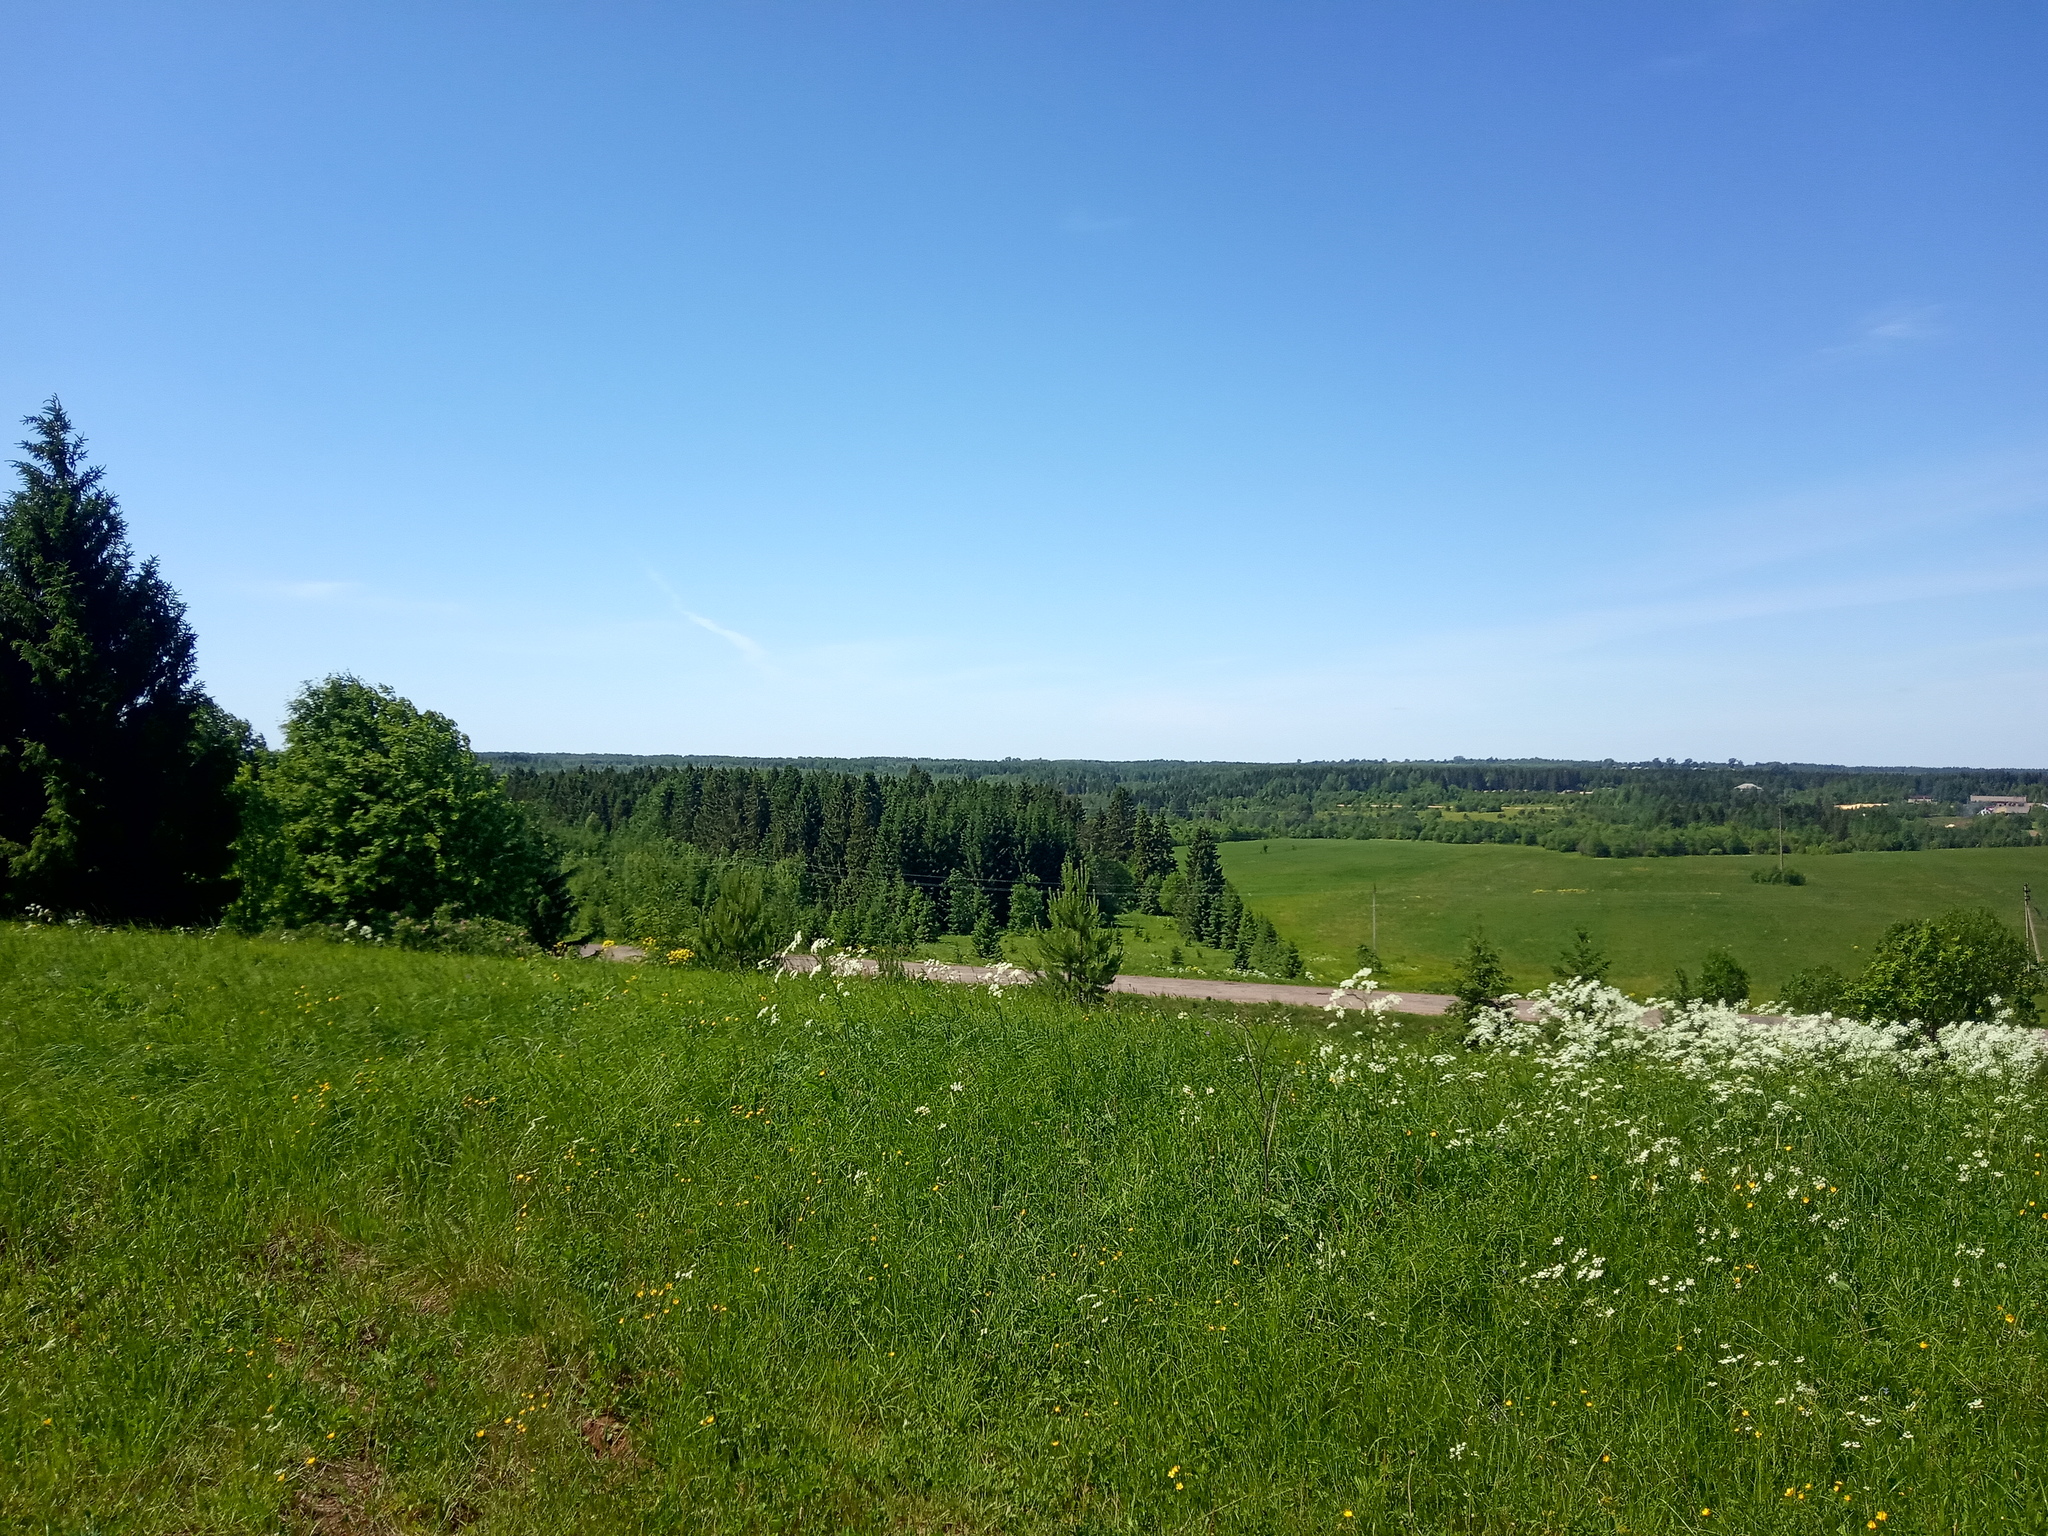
x=1651 y=915
x=334 y=1240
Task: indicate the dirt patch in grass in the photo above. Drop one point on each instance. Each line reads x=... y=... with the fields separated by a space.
x=340 y=1502
x=609 y=1437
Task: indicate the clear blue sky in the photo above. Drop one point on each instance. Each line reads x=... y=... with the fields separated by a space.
x=1260 y=380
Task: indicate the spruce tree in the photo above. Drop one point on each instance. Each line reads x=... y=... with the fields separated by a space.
x=1076 y=952
x=116 y=770
x=961 y=898
x=1151 y=851
x=1582 y=960
x=1112 y=830
x=1201 y=883
x=1479 y=978
x=988 y=939
x=1027 y=905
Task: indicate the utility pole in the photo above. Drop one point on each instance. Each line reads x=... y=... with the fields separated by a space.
x=1376 y=920
x=1781 y=841
x=2033 y=934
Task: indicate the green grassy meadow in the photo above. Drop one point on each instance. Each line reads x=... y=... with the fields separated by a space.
x=331 y=1239
x=1651 y=915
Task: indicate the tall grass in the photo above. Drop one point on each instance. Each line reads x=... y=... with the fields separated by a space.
x=344 y=1240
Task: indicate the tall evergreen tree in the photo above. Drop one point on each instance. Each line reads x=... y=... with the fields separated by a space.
x=1201 y=884
x=116 y=770
x=1110 y=832
x=1151 y=847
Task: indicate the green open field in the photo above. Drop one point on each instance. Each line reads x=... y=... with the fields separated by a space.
x=336 y=1240
x=1651 y=915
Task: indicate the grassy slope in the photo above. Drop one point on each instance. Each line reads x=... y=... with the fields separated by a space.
x=1652 y=915
x=340 y=1240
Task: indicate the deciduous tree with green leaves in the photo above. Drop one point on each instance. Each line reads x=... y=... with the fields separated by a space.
x=116 y=770
x=376 y=809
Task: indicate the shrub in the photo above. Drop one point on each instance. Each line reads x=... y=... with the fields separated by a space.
x=1964 y=965
x=1115 y=890
x=1817 y=989
x=1722 y=980
x=448 y=933
x=1027 y=905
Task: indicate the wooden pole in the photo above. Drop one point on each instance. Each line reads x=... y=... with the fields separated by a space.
x=2033 y=934
x=1376 y=920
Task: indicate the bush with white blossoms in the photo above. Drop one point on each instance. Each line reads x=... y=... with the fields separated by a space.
x=1576 y=1025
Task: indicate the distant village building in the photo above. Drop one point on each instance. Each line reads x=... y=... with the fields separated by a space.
x=1919 y=799
x=2000 y=805
x=1862 y=805
x=1749 y=786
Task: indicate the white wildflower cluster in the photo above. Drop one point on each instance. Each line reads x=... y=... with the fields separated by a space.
x=1584 y=1264
x=1359 y=984
x=843 y=963
x=1341 y=1067
x=1190 y=1110
x=1003 y=974
x=1577 y=1024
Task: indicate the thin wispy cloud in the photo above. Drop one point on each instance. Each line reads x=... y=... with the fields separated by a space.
x=743 y=643
x=1883 y=332
x=746 y=645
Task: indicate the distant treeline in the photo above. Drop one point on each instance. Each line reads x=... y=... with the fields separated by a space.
x=1602 y=809
x=1657 y=809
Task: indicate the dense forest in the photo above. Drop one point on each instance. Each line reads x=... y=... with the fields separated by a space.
x=869 y=859
x=1603 y=809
